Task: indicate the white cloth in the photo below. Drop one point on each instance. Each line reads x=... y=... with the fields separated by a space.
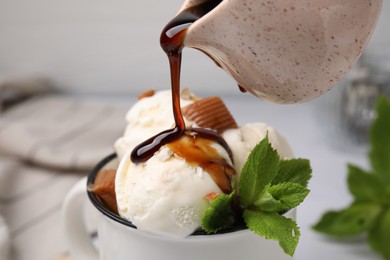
x=14 y=90
x=61 y=132
x=4 y=240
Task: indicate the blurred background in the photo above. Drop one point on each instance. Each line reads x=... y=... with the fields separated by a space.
x=99 y=55
x=98 y=46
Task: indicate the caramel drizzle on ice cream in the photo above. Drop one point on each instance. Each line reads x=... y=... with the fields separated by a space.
x=171 y=40
x=200 y=152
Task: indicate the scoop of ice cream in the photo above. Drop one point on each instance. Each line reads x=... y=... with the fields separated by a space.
x=150 y=116
x=167 y=194
x=242 y=140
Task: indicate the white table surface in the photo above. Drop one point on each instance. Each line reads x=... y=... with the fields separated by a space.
x=306 y=126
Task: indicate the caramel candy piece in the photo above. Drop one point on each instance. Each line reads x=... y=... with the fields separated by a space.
x=148 y=93
x=211 y=113
x=211 y=196
x=104 y=188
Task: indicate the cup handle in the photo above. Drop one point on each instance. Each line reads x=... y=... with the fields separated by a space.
x=79 y=241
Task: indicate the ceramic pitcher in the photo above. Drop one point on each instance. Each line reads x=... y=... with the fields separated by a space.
x=285 y=51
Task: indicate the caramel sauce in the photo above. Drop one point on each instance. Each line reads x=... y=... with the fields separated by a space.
x=172 y=42
x=199 y=151
x=242 y=89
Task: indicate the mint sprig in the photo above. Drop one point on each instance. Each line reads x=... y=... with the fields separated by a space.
x=350 y=221
x=268 y=186
x=295 y=170
x=219 y=215
x=282 y=197
x=272 y=225
x=380 y=140
x=370 y=210
x=259 y=170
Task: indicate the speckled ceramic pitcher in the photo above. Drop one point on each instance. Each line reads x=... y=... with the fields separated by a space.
x=285 y=51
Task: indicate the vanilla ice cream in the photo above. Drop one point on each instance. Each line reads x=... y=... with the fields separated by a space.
x=150 y=116
x=242 y=140
x=165 y=194
x=168 y=193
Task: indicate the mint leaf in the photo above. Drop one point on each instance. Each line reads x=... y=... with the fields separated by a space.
x=366 y=187
x=268 y=184
x=371 y=209
x=380 y=139
x=259 y=170
x=294 y=170
x=274 y=226
x=282 y=197
x=379 y=235
x=219 y=215
x=359 y=217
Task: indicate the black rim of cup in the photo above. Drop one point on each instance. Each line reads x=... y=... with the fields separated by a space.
x=96 y=201
x=105 y=211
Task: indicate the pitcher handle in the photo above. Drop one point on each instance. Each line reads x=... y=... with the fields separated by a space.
x=79 y=241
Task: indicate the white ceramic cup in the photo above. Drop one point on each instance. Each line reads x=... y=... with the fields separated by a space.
x=120 y=240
